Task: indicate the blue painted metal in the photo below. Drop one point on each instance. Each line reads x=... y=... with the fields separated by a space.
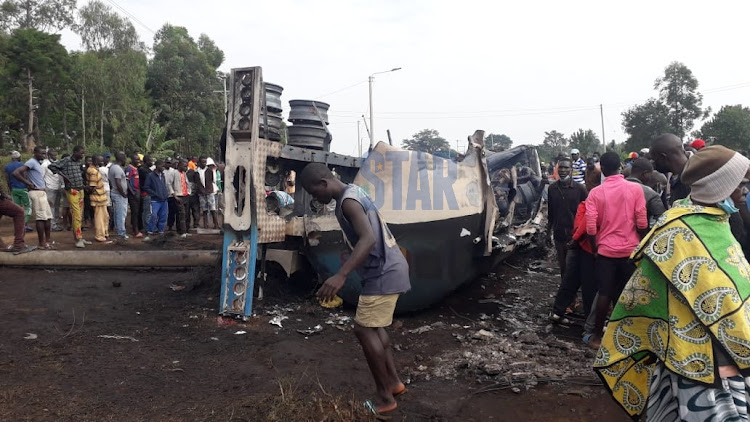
x=237 y=293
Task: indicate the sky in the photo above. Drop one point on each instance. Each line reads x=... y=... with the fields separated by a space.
x=506 y=67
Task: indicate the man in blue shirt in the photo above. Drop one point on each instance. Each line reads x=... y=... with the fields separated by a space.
x=382 y=268
x=156 y=188
x=31 y=175
x=17 y=188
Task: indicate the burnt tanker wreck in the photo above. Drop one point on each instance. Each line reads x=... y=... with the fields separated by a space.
x=454 y=219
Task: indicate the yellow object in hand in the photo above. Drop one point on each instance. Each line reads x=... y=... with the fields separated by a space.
x=333 y=303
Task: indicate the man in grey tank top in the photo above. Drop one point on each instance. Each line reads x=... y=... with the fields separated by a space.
x=382 y=268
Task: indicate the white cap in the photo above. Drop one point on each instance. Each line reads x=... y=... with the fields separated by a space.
x=210 y=162
x=644 y=151
x=15 y=154
x=574 y=151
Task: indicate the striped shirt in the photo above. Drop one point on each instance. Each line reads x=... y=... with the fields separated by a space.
x=579 y=171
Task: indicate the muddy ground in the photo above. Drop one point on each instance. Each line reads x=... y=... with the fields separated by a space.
x=76 y=348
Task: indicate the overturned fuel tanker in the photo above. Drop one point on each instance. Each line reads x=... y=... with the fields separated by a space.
x=454 y=219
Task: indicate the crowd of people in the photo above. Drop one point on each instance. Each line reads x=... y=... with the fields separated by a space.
x=658 y=246
x=79 y=192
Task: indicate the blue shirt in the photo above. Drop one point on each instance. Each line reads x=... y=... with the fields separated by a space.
x=156 y=186
x=35 y=173
x=9 y=169
x=385 y=270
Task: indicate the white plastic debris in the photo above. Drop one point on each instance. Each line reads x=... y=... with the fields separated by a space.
x=240 y=332
x=277 y=320
x=117 y=337
x=30 y=336
x=465 y=232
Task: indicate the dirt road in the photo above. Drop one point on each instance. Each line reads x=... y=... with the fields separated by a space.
x=76 y=348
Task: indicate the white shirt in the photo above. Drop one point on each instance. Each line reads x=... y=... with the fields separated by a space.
x=52 y=180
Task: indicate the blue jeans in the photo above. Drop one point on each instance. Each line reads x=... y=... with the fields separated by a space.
x=159 y=212
x=146 y=211
x=119 y=209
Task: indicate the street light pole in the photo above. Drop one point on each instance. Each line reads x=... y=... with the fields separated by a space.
x=371 y=79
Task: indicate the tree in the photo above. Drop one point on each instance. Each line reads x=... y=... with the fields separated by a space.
x=43 y=15
x=678 y=91
x=585 y=141
x=35 y=72
x=426 y=140
x=101 y=29
x=644 y=122
x=729 y=127
x=554 y=143
x=182 y=79
x=495 y=142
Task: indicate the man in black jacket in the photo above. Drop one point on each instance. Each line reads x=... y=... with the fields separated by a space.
x=563 y=199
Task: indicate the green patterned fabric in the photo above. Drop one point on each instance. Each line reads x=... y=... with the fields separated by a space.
x=690 y=290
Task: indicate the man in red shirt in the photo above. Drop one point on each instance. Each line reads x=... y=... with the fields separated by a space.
x=615 y=212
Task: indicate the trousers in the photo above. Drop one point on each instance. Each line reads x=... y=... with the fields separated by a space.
x=159 y=211
x=76 y=210
x=120 y=209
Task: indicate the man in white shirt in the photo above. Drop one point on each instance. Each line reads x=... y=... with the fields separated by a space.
x=54 y=188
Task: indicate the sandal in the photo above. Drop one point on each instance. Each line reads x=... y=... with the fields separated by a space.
x=375 y=410
x=401 y=389
x=557 y=319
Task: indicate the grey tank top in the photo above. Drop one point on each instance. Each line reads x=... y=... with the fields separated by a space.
x=385 y=270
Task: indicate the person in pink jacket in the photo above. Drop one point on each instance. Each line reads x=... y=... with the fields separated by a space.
x=615 y=214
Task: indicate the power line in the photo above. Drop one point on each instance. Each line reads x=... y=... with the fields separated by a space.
x=342 y=89
x=131 y=16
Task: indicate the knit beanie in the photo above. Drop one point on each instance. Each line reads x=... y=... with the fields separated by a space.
x=714 y=173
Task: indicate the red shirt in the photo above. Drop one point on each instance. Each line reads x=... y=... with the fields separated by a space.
x=579 y=228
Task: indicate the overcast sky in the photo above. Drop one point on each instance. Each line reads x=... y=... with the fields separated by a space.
x=513 y=67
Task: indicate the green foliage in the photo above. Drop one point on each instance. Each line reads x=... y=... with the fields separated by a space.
x=182 y=78
x=678 y=91
x=554 y=143
x=101 y=29
x=675 y=111
x=29 y=54
x=729 y=127
x=644 y=122
x=495 y=142
x=43 y=15
x=585 y=141
x=426 y=140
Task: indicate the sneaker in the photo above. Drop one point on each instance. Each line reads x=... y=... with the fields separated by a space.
x=124 y=237
x=80 y=244
x=85 y=242
x=147 y=239
x=557 y=319
x=184 y=236
x=139 y=235
x=29 y=229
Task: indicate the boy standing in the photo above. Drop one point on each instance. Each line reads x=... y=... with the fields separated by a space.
x=382 y=268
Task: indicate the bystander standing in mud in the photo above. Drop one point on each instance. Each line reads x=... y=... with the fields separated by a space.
x=615 y=213
x=382 y=268
x=98 y=199
x=134 y=196
x=156 y=188
x=53 y=187
x=119 y=193
x=10 y=209
x=32 y=175
x=143 y=172
x=563 y=199
x=70 y=170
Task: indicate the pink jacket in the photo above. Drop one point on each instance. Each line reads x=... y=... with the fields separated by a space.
x=613 y=212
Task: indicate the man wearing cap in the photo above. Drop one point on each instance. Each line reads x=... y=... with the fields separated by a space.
x=677 y=341
x=32 y=175
x=698 y=144
x=640 y=172
x=143 y=171
x=17 y=188
x=578 y=166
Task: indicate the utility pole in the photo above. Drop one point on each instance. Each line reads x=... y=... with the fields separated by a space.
x=372 y=124
x=601 y=113
x=83 y=115
x=31 y=111
x=359 y=140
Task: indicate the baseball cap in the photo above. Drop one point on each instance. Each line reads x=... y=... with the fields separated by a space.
x=574 y=151
x=698 y=144
x=15 y=154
